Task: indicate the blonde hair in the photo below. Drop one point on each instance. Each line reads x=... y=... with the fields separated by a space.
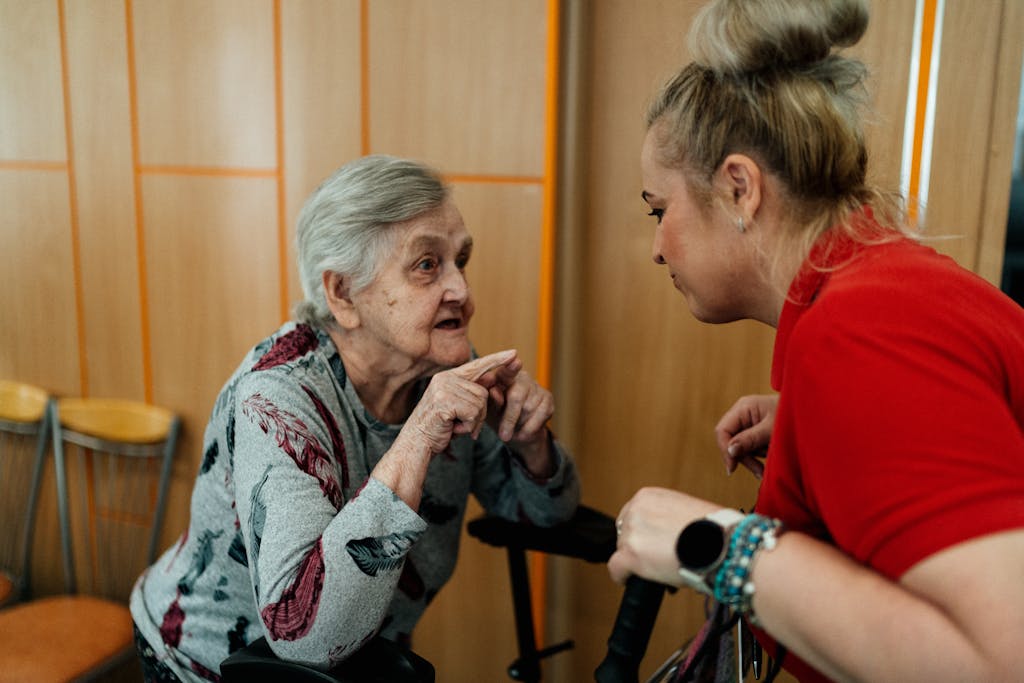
x=767 y=82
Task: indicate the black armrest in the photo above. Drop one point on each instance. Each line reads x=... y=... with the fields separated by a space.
x=379 y=661
x=589 y=535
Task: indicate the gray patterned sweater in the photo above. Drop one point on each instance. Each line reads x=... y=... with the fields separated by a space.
x=289 y=536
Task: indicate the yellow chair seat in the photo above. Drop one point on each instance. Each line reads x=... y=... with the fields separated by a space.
x=79 y=631
x=21 y=402
x=115 y=420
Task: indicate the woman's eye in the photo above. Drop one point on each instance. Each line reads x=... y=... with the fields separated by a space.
x=657 y=213
x=462 y=261
x=426 y=264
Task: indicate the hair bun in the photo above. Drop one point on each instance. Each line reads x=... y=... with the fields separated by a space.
x=736 y=36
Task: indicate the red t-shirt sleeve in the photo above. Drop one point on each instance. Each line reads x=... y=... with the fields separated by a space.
x=904 y=428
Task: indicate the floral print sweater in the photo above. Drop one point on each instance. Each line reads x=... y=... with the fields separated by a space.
x=290 y=537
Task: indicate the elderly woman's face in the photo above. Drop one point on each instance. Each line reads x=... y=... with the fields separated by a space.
x=419 y=306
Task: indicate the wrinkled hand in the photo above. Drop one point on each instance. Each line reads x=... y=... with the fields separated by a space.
x=455 y=401
x=520 y=408
x=744 y=431
x=518 y=411
x=648 y=526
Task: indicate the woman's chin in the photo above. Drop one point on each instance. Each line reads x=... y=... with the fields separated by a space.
x=452 y=353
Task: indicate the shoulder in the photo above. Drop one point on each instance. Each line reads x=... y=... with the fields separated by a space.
x=907 y=291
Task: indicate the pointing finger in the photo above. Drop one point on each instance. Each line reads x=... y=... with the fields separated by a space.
x=475 y=369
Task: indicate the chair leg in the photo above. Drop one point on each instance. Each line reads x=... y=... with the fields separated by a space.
x=527 y=666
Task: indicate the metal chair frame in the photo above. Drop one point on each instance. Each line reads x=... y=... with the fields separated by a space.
x=164 y=450
x=40 y=429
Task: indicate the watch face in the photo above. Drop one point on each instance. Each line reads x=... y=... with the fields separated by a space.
x=700 y=545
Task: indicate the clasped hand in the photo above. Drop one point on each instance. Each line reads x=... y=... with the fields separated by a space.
x=493 y=389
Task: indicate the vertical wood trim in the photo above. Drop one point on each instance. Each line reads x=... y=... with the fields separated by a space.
x=546 y=288
x=546 y=292
x=924 y=86
x=282 y=217
x=76 y=243
x=364 y=75
x=995 y=204
x=140 y=241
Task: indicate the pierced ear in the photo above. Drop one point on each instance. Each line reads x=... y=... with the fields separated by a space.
x=742 y=179
x=339 y=300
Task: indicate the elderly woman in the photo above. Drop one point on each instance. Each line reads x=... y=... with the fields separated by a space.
x=340 y=454
x=888 y=539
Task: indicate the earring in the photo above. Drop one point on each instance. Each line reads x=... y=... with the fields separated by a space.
x=739 y=224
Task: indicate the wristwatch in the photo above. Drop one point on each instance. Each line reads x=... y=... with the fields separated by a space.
x=702 y=547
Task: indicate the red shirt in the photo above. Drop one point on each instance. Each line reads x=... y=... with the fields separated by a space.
x=900 y=425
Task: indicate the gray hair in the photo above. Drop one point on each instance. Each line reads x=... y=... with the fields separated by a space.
x=346 y=224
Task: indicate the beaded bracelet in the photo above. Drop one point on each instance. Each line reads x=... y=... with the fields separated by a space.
x=733 y=585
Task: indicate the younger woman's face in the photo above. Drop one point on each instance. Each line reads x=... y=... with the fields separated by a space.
x=700 y=245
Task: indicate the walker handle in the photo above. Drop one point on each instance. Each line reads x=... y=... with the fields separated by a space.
x=632 y=630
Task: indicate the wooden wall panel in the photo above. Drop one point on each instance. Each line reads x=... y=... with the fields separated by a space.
x=40 y=334
x=460 y=87
x=886 y=48
x=105 y=199
x=211 y=255
x=31 y=109
x=322 y=101
x=504 y=220
x=967 y=63
x=206 y=83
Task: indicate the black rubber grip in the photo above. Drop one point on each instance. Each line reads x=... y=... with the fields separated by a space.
x=631 y=632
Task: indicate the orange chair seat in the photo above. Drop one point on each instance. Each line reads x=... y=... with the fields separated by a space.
x=79 y=632
x=6 y=588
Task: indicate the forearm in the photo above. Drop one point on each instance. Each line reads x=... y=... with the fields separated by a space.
x=855 y=625
x=362 y=555
x=403 y=469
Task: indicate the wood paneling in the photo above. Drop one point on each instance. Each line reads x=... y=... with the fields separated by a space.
x=211 y=259
x=31 y=108
x=968 y=54
x=321 y=96
x=968 y=157
x=102 y=168
x=206 y=83
x=40 y=333
x=504 y=220
x=458 y=87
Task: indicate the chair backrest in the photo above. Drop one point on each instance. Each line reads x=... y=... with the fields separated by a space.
x=113 y=464
x=23 y=437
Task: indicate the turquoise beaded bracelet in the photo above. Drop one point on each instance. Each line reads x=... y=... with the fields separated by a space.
x=733 y=585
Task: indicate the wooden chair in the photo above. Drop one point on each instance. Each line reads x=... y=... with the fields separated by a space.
x=23 y=437
x=113 y=462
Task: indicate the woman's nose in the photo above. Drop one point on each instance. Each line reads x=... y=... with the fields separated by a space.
x=456 y=286
x=656 y=251
x=656 y=248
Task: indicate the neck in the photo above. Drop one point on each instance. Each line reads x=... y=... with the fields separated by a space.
x=384 y=389
x=775 y=259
